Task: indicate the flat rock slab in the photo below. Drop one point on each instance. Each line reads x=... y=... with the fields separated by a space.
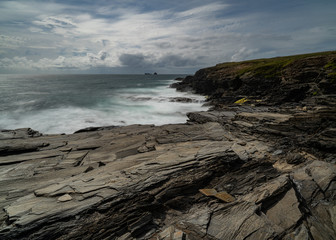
x=208 y=192
x=181 y=181
x=64 y=198
x=225 y=197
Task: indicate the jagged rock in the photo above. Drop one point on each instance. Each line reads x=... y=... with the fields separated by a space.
x=147 y=147
x=19 y=133
x=64 y=198
x=285 y=213
x=79 y=190
x=210 y=116
x=226 y=223
x=277 y=152
x=294 y=158
x=181 y=99
x=17 y=147
x=126 y=192
x=274 y=81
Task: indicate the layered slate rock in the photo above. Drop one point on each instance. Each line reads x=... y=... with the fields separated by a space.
x=149 y=182
x=101 y=177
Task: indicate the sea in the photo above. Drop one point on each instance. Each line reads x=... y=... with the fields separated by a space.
x=54 y=104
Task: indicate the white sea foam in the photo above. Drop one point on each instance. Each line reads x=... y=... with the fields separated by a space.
x=126 y=106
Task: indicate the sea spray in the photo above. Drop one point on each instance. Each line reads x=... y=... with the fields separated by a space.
x=66 y=103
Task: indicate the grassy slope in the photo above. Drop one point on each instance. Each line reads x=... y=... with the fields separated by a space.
x=270 y=67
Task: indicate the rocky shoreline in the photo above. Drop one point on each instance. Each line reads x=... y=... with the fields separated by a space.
x=259 y=165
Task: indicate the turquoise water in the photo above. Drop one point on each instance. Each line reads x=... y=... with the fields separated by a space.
x=66 y=103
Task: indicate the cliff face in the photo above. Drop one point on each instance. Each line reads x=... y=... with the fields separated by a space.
x=272 y=81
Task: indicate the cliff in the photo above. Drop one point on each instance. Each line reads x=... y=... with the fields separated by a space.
x=270 y=81
x=260 y=168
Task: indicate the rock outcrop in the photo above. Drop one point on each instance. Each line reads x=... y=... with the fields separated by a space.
x=243 y=170
x=269 y=81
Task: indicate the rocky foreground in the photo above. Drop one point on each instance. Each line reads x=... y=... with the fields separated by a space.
x=250 y=168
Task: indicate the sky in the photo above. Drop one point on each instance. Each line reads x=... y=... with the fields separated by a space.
x=175 y=36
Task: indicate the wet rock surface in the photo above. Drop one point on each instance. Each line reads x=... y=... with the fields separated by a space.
x=241 y=171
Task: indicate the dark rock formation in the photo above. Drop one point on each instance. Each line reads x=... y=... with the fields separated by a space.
x=273 y=81
x=183 y=99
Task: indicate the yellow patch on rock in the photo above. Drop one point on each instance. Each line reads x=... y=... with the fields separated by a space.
x=224 y=196
x=208 y=192
x=241 y=101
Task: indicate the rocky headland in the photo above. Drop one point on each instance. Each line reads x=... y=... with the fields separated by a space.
x=260 y=164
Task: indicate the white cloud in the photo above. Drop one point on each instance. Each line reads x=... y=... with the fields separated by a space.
x=102 y=59
x=78 y=36
x=242 y=54
x=132 y=32
x=52 y=22
x=61 y=25
x=202 y=11
x=23 y=10
x=35 y=30
x=10 y=41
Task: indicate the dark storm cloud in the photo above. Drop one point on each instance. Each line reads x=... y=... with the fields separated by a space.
x=176 y=61
x=140 y=60
x=134 y=60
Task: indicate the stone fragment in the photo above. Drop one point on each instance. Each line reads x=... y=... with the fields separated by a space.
x=300 y=233
x=208 y=192
x=19 y=133
x=295 y=158
x=142 y=149
x=199 y=218
x=178 y=235
x=240 y=221
x=167 y=233
x=224 y=196
x=181 y=99
x=242 y=143
x=147 y=147
x=277 y=152
x=17 y=147
x=264 y=116
x=286 y=212
x=210 y=116
x=126 y=236
x=323 y=173
x=64 y=198
x=240 y=151
x=88 y=169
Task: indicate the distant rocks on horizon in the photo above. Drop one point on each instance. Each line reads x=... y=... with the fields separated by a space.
x=155 y=73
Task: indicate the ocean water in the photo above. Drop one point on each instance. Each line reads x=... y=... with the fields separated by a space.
x=67 y=103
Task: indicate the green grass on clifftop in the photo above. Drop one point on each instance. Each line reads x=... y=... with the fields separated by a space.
x=271 y=67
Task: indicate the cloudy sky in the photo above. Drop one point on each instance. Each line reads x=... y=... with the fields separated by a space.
x=175 y=36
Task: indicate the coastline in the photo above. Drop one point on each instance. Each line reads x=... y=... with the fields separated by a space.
x=261 y=166
x=54 y=104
